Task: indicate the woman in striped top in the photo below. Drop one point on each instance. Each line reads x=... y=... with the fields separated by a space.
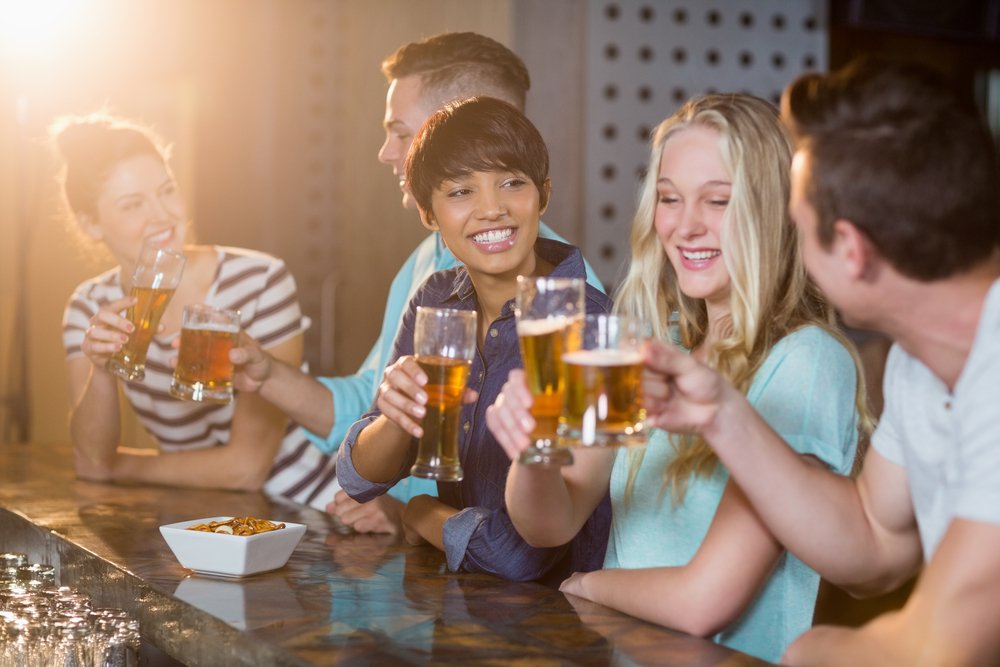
x=121 y=192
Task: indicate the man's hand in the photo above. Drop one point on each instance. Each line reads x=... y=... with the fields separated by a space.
x=383 y=514
x=253 y=364
x=871 y=645
x=681 y=394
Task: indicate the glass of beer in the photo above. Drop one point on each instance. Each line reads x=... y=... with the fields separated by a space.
x=156 y=276
x=549 y=314
x=444 y=344
x=603 y=400
x=204 y=372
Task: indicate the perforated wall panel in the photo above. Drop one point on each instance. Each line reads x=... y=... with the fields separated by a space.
x=645 y=58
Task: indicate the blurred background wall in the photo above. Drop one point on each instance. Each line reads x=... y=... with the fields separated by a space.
x=274 y=108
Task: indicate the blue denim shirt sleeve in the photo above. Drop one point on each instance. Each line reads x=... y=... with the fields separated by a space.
x=482 y=540
x=356 y=486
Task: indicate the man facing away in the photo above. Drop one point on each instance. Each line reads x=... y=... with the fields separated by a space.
x=896 y=195
x=423 y=77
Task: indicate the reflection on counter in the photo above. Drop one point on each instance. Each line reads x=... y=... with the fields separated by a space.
x=242 y=603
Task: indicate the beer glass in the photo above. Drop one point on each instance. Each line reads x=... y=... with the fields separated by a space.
x=444 y=344
x=549 y=314
x=204 y=372
x=156 y=276
x=603 y=401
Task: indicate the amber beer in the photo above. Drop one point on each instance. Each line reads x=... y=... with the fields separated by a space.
x=549 y=314
x=603 y=398
x=543 y=344
x=437 y=455
x=444 y=344
x=204 y=372
x=154 y=280
x=129 y=362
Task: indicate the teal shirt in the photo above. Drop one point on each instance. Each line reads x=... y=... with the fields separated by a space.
x=805 y=390
x=354 y=394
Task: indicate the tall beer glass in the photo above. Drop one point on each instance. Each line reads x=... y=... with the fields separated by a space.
x=603 y=403
x=156 y=276
x=444 y=344
x=549 y=314
x=204 y=372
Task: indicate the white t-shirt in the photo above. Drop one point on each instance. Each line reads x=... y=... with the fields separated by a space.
x=949 y=442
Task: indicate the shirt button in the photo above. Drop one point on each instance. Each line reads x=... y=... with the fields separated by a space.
x=947 y=405
x=481 y=374
x=466 y=426
x=494 y=333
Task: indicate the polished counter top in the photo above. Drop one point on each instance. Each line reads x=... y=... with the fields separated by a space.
x=342 y=598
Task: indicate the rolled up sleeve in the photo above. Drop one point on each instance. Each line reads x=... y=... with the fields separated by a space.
x=482 y=540
x=351 y=481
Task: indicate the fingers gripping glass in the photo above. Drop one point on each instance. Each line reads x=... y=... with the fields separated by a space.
x=444 y=343
x=156 y=276
x=549 y=314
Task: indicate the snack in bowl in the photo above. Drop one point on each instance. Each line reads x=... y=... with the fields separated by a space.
x=240 y=525
x=205 y=550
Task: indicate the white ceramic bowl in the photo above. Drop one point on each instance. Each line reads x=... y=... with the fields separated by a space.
x=231 y=555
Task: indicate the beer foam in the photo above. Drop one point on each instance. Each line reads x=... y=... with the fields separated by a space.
x=219 y=327
x=546 y=326
x=603 y=357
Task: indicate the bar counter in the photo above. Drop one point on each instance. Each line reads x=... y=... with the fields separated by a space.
x=343 y=598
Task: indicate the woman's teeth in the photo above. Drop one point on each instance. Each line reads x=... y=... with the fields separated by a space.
x=160 y=236
x=700 y=255
x=493 y=236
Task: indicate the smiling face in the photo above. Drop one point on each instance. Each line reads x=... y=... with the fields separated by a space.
x=138 y=201
x=489 y=220
x=693 y=191
x=405 y=112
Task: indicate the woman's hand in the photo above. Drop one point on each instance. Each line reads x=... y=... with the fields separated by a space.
x=509 y=418
x=401 y=397
x=383 y=514
x=574 y=585
x=413 y=514
x=107 y=332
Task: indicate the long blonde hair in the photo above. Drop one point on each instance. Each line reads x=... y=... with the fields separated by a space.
x=770 y=295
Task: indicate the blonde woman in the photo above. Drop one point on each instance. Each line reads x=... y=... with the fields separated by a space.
x=715 y=268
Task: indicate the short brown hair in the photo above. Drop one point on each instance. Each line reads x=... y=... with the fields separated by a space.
x=477 y=134
x=902 y=157
x=455 y=65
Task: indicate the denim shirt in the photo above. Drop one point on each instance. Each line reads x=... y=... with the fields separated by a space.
x=481 y=536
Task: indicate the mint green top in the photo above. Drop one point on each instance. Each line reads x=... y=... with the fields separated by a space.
x=805 y=390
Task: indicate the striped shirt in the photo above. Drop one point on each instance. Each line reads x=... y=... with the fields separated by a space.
x=264 y=291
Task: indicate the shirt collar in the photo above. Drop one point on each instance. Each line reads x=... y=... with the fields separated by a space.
x=566 y=259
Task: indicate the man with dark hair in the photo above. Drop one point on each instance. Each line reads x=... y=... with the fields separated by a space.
x=896 y=195
x=423 y=77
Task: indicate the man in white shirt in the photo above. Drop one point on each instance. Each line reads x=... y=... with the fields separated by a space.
x=896 y=195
